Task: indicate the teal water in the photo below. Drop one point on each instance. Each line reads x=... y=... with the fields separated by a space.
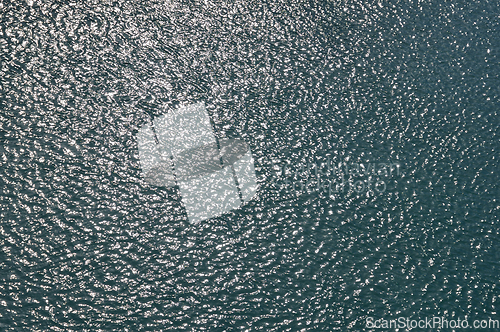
x=87 y=245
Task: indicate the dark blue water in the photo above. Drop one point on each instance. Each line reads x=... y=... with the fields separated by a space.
x=87 y=245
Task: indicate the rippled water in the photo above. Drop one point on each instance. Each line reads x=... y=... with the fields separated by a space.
x=87 y=245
